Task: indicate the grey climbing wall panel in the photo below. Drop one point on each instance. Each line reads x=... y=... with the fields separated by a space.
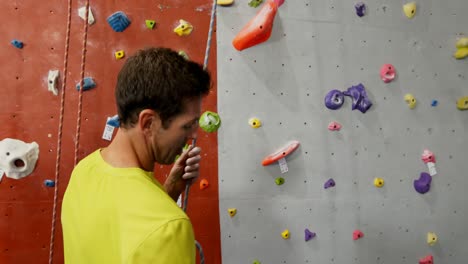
x=317 y=46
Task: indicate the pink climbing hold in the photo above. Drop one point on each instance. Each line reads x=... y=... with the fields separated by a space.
x=427 y=260
x=357 y=234
x=428 y=156
x=387 y=73
x=334 y=126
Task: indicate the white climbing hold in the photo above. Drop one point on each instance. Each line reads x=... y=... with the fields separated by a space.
x=82 y=14
x=17 y=158
x=52 y=81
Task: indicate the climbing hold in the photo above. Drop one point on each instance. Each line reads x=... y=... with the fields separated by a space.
x=308 y=235
x=184 y=28
x=334 y=126
x=118 y=21
x=255 y=3
x=17 y=158
x=150 y=23
x=256 y=262
x=427 y=260
x=410 y=100
x=184 y=54
x=281 y=153
x=329 y=183
x=423 y=184
x=360 y=9
x=232 y=211
x=434 y=103
x=428 y=156
x=82 y=14
x=88 y=83
x=387 y=73
x=360 y=99
x=17 y=43
x=357 y=234
x=409 y=9
x=113 y=121
x=379 y=182
x=224 y=2
x=204 y=184
x=431 y=238
x=462 y=103
x=334 y=99
x=279 y=181
x=258 y=29
x=285 y=234
x=210 y=121
x=119 y=54
x=462 y=48
x=49 y=183
x=255 y=122
x=52 y=81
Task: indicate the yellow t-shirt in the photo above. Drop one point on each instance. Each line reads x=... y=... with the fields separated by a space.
x=122 y=215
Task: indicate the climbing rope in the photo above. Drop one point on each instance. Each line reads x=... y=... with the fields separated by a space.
x=205 y=64
x=80 y=97
x=62 y=109
x=59 y=134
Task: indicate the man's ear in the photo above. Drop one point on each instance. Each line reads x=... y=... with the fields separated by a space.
x=147 y=119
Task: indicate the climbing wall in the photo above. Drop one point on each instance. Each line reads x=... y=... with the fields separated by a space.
x=316 y=47
x=29 y=112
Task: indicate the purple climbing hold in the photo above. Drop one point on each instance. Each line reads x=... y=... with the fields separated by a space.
x=360 y=99
x=360 y=9
x=334 y=99
x=309 y=235
x=423 y=184
x=329 y=183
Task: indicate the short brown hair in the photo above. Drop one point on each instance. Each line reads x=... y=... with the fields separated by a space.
x=159 y=79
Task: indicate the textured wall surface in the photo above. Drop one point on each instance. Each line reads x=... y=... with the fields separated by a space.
x=31 y=113
x=317 y=46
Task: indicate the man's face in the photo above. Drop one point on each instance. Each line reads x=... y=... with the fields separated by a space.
x=168 y=142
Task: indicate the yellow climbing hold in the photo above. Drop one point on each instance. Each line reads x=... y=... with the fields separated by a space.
x=378 y=182
x=409 y=9
x=431 y=238
x=285 y=234
x=225 y=2
x=232 y=211
x=462 y=43
x=255 y=122
x=119 y=54
x=461 y=53
x=410 y=100
x=184 y=28
x=462 y=103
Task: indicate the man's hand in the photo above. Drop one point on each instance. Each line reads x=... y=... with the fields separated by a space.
x=186 y=168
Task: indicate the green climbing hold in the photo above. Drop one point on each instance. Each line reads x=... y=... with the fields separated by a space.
x=183 y=149
x=255 y=3
x=210 y=121
x=150 y=24
x=256 y=262
x=184 y=54
x=279 y=181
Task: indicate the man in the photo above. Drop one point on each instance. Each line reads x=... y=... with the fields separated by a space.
x=113 y=210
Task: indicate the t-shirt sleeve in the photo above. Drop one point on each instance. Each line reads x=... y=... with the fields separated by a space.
x=172 y=243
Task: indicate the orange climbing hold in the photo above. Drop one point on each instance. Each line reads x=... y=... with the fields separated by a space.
x=258 y=29
x=204 y=184
x=282 y=153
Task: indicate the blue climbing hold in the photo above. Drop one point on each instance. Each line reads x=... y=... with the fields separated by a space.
x=87 y=84
x=434 y=103
x=49 y=183
x=118 y=21
x=113 y=121
x=17 y=43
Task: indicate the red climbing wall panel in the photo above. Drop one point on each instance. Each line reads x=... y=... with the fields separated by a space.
x=30 y=112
